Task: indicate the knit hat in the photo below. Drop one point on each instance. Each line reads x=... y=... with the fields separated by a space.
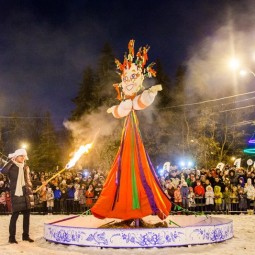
x=19 y=152
x=184 y=184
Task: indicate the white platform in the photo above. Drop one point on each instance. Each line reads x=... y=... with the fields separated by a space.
x=191 y=230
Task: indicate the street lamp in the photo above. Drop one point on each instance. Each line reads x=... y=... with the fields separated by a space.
x=24 y=145
x=234 y=64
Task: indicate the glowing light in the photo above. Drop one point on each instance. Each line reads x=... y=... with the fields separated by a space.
x=243 y=72
x=24 y=145
x=190 y=164
x=234 y=63
x=182 y=163
x=161 y=172
x=83 y=149
x=233 y=158
x=252 y=139
x=249 y=151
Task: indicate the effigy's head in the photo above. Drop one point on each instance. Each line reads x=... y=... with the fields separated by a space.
x=133 y=70
x=132 y=80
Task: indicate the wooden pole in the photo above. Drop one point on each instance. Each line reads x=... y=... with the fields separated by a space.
x=47 y=181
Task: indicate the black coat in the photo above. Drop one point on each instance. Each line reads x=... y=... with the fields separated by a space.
x=23 y=202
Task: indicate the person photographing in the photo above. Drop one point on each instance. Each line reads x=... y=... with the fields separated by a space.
x=21 y=193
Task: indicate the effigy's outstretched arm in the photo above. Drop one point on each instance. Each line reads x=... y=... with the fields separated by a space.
x=121 y=110
x=140 y=102
x=144 y=100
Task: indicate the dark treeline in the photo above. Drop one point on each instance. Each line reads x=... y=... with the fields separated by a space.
x=170 y=129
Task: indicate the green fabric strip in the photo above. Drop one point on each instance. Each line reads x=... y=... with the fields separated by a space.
x=135 y=199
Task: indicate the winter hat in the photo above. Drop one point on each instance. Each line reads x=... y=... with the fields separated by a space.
x=19 y=152
x=184 y=184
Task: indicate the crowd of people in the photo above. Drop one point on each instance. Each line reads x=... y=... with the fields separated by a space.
x=230 y=190
x=211 y=190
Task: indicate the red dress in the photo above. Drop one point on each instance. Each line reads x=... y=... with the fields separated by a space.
x=132 y=189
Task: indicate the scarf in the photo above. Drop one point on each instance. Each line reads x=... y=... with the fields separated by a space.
x=21 y=179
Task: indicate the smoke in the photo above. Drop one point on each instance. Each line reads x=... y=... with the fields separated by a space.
x=92 y=126
x=209 y=74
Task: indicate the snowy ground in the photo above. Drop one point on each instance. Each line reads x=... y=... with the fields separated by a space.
x=241 y=244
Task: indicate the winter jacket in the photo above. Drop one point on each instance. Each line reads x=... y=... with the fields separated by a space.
x=19 y=203
x=218 y=195
x=249 y=190
x=57 y=193
x=199 y=191
x=209 y=196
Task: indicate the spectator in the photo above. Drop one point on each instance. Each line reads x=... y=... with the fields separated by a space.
x=50 y=200
x=227 y=199
x=70 y=198
x=218 y=198
x=184 y=194
x=233 y=178
x=177 y=197
x=82 y=198
x=2 y=203
x=209 y=198
x=57 y=197
x=63 y=201
x=199 y=189
x=242 y=197
x=191 y=197
x=76 y=198
x=8 y=202
x=250 y=191
x=89 y=196
x=42 y=199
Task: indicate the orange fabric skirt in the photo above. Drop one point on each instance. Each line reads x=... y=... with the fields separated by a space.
x=131 y=189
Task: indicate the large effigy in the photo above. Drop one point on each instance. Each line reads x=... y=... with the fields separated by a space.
x=132 y=210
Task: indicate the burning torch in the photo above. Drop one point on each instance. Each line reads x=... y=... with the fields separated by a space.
x=84 y=149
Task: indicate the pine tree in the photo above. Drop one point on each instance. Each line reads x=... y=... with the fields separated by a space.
x=86 y=99
x=163 y=98
x=47 y=154
x=107 y=76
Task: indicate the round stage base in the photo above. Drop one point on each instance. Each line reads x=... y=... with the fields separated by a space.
x=181 y=231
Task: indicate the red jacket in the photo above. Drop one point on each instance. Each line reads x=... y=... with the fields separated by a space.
x=199 y=191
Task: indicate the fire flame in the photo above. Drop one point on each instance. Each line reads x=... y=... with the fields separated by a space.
x=83 y=149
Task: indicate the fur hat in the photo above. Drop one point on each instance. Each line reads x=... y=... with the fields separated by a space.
x=19 y=152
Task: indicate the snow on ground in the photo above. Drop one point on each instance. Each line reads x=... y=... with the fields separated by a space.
x=242 y=243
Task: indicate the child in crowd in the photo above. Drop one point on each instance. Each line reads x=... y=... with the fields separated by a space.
x=242 y=200
x=89 y=196
x=57 y=197
x=209 y=198
x=50 y=200
x=82 y=198
x=218 y=198
x=2 y=203
x=227 y=199
x=191 y=197
x=184 y=194
x=177 y=197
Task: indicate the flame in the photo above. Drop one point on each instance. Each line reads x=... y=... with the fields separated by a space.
x=83 y=149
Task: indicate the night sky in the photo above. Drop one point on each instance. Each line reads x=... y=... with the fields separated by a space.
x=45 y=45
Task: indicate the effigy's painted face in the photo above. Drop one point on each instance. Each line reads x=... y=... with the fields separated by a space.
x=132 y=80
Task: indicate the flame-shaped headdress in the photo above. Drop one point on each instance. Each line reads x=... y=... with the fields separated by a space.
x=140 y=60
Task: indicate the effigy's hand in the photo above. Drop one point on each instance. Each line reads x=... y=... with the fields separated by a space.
x=109 y=110
x=155 y=88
